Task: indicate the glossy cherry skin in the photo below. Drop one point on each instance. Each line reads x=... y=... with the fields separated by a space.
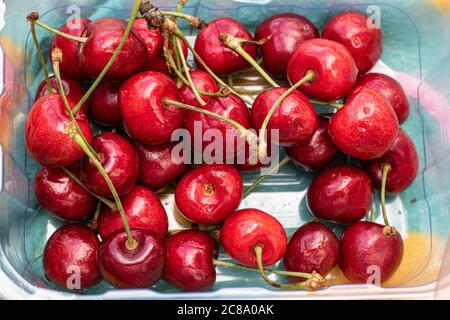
x=60 y=195
x=139 y=268
x=391 y=90
x=366 y=126
x=152 y=39
x=146 y=118
x=104 y=104
x=46 y=132
x=404 y=165
x=316 y=153
x=342 y=194
x=120 y=161
x=209 y=193
x=295 y=118
x=334 y=67
x=313 y=247
x=71 y=251
x=189 y=260
x=70 y=66
x=364 y=247
x=202 y=81
x=158 y=166
x=245 y=229
x=287 y=31
x=104 y=36
x=217 y=56
x=353 y=31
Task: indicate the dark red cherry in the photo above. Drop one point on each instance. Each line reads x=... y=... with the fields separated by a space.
x=104 y=104
x=391 y=90
x=143 y=209
x=120 y=160
x=318 y=152
x=245 y=229
x=189 y=260
x=313 y=247
x=342 y=194
x=202 y=81
x=287 y=31
x=145 y=116
x=362 y=37
x=47 y=132
x=404 y=162
x=70 y=257
x=366 y=126
x=104 y=36
x=209 y=193
x=218 y=56
x=141 y=267
x=152 y=39
x=334 y=67
x=368 y=251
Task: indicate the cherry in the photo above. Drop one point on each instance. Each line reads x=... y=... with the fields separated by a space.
x=352 y=29
x=128 y=268
x=316 y=153
x=60 y=195
x=152 y=39
x=333 y=65
x=366 y=126
x=141 y=104
x=369 y=249
x=313 y=247
x=48 y=132
x=403 y=161
x=70 y=66
x=121 y=163
x=189 y=260
x=391 y=90
x=295 y=118
x=70 y=257
x=202 y=81
x=103 y=37
x=217 y=56
x=287 y=31
x=104 y=104
x=209 y=193
x=342 y=194
x=247 y=229
x=158 y=166
x=143 y=210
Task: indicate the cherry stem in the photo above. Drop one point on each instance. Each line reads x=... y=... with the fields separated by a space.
x=330 y=104
x=180 y=5
x=386 y=168
x=93 y=223
x=60 y=33
x=177 y=52
x=194 y=21
x=41 y=57
x=265 y=177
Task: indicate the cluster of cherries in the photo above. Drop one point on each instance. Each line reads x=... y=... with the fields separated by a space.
x=144 y=86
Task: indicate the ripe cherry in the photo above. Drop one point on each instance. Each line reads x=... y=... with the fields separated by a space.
x=152 y=39
x=104 y=104
x=202 y=81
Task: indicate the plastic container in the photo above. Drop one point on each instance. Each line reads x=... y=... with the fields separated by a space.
x=416 y=52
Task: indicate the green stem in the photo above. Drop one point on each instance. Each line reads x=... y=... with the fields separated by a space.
x=230 y=80
x=60 y=33
x=386 y=168
x=330 y=104
x=41 y=57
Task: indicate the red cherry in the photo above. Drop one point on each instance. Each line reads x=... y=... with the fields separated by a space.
x=334 y=67
x=366 y=126
x=152 y=39
x=367 y=251
x=245 y=229
x=189 y=260
x=47 y=132
x=141 y=267
x=104 y=104
x=352 y=29
x=391 y=90
x=342 y=194
x=295 y=118
x=121 y=163
x=404 y=162
x=209 y=193
x=202 y=81
x=70 y=66
x=145 y=116
x=287 y=30
x=316 y=153
x=104 y=36
x=70 y=257
x=217 y=56
x=143 y=210
x=158 y=166
x=313 y=247
x=60 y=195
